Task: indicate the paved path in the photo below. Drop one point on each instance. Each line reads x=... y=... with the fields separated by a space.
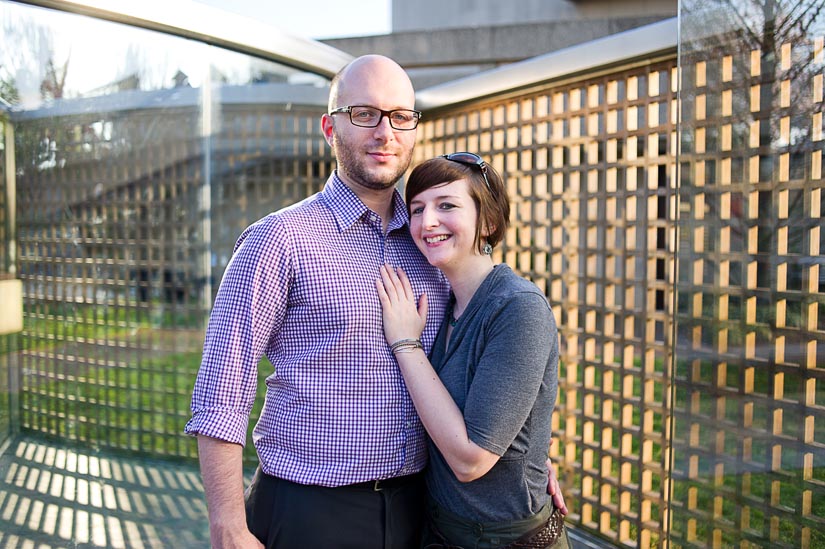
x=55 y=496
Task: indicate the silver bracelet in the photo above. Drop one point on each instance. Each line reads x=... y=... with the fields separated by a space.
x=406 y=345
x=406 y=349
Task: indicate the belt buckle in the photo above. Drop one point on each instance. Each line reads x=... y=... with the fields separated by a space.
x=376 y=487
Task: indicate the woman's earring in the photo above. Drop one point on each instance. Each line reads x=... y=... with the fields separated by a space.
x=487 y=249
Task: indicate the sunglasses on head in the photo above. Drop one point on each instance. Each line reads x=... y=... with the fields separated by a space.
x=470 y=159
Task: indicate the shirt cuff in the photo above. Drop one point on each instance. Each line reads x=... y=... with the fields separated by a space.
x=225 y=425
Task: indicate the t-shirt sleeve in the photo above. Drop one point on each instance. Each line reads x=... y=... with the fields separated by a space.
x=520 y=353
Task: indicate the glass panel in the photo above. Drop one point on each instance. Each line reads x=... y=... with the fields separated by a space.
x=749 y=422
x=140 y=158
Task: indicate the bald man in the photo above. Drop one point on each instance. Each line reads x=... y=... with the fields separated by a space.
x=339 y=442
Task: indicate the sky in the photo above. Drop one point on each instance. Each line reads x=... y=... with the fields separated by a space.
x=316 y=18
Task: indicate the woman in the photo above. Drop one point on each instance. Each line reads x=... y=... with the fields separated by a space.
x=487 y=393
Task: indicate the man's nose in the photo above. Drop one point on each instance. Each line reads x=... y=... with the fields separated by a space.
x=384 y=127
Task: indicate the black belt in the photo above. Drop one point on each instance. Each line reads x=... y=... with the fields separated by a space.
x=384 y=483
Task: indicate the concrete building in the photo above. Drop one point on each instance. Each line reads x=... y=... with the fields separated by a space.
x=439 y=41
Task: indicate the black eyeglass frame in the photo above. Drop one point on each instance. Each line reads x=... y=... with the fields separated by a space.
x=470 y=159
x=388 y=114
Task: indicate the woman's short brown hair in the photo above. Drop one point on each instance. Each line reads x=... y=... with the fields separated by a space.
x=492 y=203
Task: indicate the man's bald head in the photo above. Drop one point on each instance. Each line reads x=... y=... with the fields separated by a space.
x=370 y=72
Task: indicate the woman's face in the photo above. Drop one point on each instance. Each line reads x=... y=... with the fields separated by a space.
x=443 y=224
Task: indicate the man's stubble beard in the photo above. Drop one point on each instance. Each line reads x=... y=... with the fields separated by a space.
x=353 y=167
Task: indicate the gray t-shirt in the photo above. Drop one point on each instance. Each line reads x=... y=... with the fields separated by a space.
x=501 y=368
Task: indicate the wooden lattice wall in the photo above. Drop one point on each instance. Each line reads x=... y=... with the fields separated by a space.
x=749 y=437
x=590 y=170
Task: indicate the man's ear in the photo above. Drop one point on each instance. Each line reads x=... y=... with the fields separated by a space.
x=326 y=127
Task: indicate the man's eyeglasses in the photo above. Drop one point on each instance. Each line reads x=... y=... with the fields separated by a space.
x=471 y=160
x=370 y=117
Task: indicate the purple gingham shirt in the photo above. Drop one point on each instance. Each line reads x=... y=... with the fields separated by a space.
x=300 y=288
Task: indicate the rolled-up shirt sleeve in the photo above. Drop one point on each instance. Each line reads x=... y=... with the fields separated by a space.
x=249 y=307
